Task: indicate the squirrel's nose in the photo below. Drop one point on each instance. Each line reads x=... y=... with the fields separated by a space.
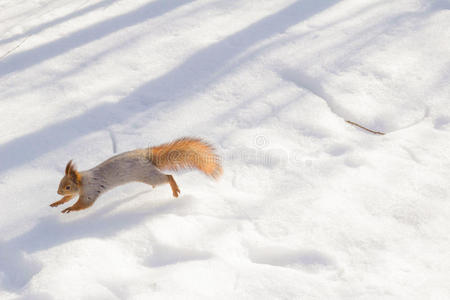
x=59 y=192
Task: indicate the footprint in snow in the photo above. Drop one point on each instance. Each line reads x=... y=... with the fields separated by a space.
x=310 y=260
x=338 y=150
x=165 y=255
x=441 y=123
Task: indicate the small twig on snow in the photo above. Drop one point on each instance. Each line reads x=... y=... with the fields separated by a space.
x=362 y=127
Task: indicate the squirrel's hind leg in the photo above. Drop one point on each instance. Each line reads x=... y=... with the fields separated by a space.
x=173 y=185
x=161 y=178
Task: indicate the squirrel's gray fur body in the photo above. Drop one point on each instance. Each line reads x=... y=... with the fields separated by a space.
x=118 y=170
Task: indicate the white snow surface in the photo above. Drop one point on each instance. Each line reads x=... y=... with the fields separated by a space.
x=308 y=207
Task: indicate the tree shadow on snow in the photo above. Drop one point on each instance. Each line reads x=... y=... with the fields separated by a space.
x=182 y=81
x=37 y=55
x=63 y=19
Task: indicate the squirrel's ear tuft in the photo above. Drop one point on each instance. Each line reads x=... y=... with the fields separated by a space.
x=68 y=167
x=73 y=173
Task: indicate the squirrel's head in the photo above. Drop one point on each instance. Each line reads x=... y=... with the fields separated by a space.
x=70 y=183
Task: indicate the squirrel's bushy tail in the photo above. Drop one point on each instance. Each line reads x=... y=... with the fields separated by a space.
x=187 y=153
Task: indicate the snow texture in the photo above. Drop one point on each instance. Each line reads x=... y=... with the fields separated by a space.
x=309 y=206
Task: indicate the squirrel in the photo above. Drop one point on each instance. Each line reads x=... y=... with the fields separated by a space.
x=141 y=165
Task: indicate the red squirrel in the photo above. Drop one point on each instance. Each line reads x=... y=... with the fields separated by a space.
x=142 y=165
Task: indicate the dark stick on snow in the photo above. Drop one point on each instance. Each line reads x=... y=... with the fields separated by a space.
x=362 y=127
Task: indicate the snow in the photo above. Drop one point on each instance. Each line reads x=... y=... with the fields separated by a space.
x=309 y=206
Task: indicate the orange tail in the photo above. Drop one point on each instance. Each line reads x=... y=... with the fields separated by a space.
x=187 y=153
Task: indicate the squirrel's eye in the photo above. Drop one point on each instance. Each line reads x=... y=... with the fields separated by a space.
x=68 y=187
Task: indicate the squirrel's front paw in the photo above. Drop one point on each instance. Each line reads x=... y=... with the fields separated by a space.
x=55 y=204
x=67 y=210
